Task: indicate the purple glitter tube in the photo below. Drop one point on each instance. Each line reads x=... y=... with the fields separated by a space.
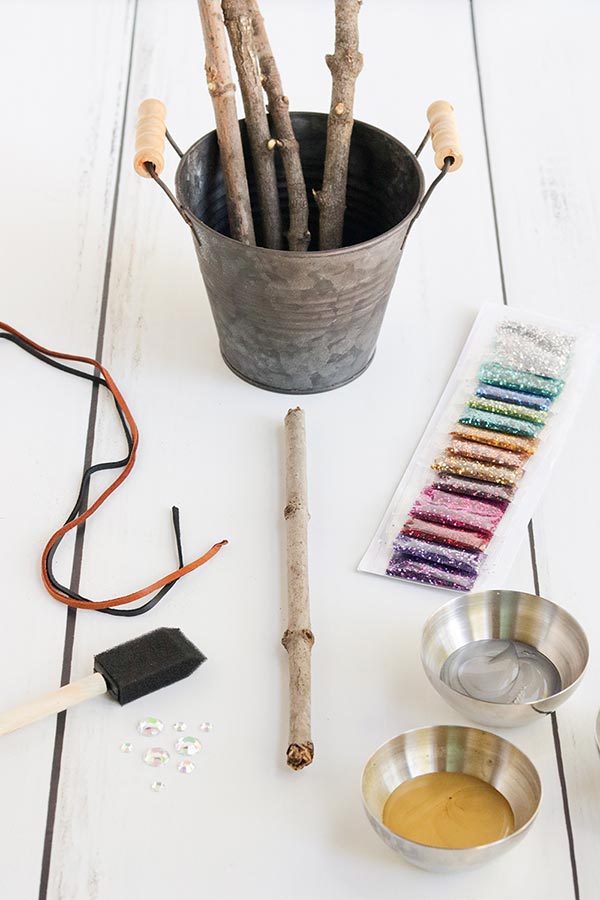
x=448 y=558
x=414 y=570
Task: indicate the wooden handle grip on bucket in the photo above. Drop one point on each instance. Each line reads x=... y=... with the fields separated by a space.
x=444 y=134
x=150 y=137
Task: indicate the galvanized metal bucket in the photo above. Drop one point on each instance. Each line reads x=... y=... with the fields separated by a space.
x=304 y=322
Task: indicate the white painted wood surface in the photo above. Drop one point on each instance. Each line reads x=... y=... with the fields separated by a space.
x=242 y=823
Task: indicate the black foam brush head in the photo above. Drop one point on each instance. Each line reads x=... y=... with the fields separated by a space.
x=147 y=663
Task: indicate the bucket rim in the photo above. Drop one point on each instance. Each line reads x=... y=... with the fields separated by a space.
x=303 y=254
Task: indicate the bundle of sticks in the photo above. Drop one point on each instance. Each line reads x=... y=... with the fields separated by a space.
x=257 y=71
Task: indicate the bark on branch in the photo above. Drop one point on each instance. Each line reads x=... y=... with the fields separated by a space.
x=238 y=22
x=345 y=65
x=221 y=89
x=298 y=637
x=298 y=235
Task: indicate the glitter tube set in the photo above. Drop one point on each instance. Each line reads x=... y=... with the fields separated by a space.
x=474 y=463
x=494 y=437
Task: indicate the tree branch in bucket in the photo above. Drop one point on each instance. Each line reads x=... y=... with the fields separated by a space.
x=298 y=235
x=298 y=637
x=241 y=37
x=345 y=65
x=221 y=89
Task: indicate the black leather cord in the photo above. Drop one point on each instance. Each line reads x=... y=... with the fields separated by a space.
x=81 y=502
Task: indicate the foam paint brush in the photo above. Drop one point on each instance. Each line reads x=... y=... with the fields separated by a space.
x=126 y=672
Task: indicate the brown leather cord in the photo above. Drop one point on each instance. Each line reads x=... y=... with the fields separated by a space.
x=74 y=521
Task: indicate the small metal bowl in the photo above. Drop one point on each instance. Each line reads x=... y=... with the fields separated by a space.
x=451 y=748
x=505 y=615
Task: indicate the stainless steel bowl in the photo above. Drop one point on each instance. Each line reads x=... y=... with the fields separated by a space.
x=505 y=615
x=451 y=748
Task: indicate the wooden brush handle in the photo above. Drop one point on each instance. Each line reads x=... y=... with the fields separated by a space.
x=55 y=702
x=150 y=137
x=444 y=134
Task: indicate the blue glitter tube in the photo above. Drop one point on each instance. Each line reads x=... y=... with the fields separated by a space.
x=493 y=392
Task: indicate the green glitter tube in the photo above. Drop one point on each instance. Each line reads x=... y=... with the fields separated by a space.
x=538 y=416
x=480 y=419
x=516 y=380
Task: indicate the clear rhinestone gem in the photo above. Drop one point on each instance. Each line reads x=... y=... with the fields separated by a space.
x=180 y=726
x=188 y=746
x=158 y=786
x=150 y=726
x=156 y=756
x=205 y=726
x=186 y=766
x=126 y=747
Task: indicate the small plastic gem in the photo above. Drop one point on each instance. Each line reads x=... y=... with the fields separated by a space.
x=186 y=766
x=150 y=726
x=188 y=746
x=156 y=756
x=126 y=747
x=180 y=726
x=158 y=786
x=205 y=726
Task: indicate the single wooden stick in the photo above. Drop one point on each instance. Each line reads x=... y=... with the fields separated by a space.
x=52 y=703
x=221 y=89
x=241 y=37
x=298 y=637
x=345 y=66
x=298 y=235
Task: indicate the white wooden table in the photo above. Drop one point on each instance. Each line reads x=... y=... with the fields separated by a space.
x=95 y=261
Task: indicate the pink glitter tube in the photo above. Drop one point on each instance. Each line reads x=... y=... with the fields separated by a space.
x=488 y=511
x=442 y=534
x=458 y=512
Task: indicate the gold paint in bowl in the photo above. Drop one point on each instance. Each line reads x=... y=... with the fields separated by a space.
x=458 y=749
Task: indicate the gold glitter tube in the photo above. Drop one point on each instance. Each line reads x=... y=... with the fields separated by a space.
x=514 y=442
x=453 y=464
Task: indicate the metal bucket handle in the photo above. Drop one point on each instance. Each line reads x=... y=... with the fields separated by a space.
x=151 y=132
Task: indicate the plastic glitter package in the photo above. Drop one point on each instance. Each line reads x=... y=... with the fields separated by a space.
x=463 y=505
